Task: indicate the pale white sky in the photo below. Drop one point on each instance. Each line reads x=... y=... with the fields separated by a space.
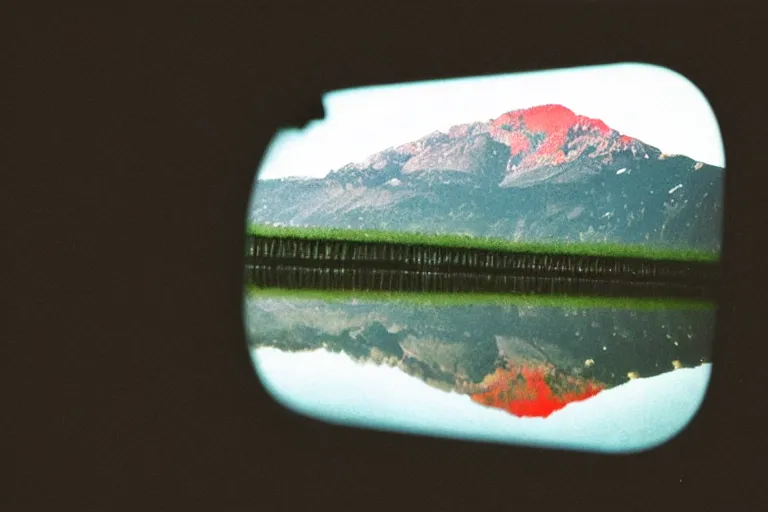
x=658 y=106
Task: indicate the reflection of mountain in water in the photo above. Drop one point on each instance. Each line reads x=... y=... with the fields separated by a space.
x=528 y=360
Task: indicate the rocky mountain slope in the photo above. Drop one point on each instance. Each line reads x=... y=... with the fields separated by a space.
x=537 y=174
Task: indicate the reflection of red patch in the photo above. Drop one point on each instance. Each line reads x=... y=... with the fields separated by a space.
x=524 y=391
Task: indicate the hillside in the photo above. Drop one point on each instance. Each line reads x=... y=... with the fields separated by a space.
x=537 y=175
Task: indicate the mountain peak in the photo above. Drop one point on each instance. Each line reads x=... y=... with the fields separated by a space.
x=551 y=119
x=538 y=137
x=552 y=135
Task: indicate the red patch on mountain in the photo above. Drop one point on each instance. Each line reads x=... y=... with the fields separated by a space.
x=625 y=139
x=551 y=123
x=518 y=143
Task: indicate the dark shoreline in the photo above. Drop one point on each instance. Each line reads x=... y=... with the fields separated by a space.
x=296 y=263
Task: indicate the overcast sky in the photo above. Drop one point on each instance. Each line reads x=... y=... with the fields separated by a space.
x=650 y=103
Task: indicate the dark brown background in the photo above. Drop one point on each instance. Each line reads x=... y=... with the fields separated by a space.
x=130 y=149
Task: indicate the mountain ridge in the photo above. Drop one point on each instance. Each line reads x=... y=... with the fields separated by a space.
x=541 y=173
x=548 y=134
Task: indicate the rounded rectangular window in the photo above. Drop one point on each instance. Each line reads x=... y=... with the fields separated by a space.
x=527 y=259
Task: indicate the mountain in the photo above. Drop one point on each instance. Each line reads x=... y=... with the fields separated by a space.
x=537 y=174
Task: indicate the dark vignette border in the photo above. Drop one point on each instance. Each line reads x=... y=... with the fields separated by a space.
x=134 y=134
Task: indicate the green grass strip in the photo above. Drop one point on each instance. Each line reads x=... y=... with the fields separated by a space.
x=496 y=244
x=472 y=299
